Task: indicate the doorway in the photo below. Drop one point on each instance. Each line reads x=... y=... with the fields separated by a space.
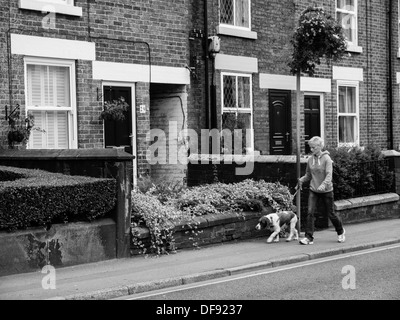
x=122 y=133
x=280 y=122
x=312 y=118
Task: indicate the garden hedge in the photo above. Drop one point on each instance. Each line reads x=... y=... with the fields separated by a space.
x=38 y=198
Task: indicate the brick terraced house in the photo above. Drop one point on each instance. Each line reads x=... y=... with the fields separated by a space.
x=186 y=66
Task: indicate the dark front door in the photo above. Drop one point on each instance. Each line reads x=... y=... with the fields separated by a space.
x=312 y=119
x=118 y=133
x=280 y=126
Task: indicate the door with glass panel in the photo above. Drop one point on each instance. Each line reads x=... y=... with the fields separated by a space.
x=312 y=119
x=118 y=133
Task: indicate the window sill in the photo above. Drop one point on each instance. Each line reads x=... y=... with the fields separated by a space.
x=354 y=48
x=46 y=6
x=235 y=32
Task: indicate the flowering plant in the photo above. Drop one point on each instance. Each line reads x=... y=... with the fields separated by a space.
x=114 y=110
x=318 y=35
x=20 y=129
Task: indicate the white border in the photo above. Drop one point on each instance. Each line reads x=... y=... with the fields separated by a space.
x=236 y=63
x=349 y=74
x=283 y=82
x=52 y=47
x=125 y=72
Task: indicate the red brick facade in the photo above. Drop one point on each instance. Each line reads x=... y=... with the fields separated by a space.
x=167 y=37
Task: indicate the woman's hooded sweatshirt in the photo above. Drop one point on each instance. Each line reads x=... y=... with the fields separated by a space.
x=319 y=171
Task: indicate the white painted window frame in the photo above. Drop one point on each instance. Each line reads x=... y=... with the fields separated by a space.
x=233 y=29
x=72 y=116
x=356 y=85
x=237 y=109
x=352 y=46
x=66 y=7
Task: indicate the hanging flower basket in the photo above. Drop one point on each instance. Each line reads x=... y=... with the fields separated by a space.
x=318 y=35
x=114 y=110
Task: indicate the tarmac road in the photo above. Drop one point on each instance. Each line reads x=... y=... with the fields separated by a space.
x=365 y=275
x=122 y=277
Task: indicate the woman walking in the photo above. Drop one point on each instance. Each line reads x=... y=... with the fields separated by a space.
x=319 y=173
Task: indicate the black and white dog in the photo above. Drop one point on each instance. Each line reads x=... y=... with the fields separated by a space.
x=275 y=221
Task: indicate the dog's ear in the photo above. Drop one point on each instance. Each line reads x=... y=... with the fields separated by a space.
x=265 y=221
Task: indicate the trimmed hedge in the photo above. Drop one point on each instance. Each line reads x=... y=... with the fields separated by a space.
x=39 y=198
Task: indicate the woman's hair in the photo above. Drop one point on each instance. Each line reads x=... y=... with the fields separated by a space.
x=317 y=141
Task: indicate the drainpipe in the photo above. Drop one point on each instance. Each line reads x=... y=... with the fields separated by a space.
x=207 y=84
x=391 y=146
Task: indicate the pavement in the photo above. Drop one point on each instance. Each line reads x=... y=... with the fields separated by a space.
x=121 y=277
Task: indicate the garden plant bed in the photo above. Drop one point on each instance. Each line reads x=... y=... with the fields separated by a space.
x=211 y=229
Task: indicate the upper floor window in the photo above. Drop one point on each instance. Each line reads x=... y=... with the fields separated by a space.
x=346 y=14
x=348 y=114
x=235 y=19
x=57 y=6
x=235 y=13
x=237 y=110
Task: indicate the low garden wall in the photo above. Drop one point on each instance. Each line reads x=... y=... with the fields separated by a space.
x=211 y=229
x=377 y=207
x=214 y=229
x=99 y=163
x=61 y=246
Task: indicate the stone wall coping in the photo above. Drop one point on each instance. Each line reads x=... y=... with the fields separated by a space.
x=70 y=154
x=366 y=201
x=391 y=153
x=205 y=221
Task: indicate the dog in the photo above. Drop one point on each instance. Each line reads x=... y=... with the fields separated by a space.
x=275 y=222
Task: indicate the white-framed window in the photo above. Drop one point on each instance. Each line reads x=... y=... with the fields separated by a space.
x=347 y=15
x=348 y=113
x=50 y=97
x=235 y=13
x=57 y=6
x=237 y=105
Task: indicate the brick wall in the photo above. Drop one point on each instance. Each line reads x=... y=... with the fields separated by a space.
x=163 y=26
x=273 y=50
x=167 y=26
